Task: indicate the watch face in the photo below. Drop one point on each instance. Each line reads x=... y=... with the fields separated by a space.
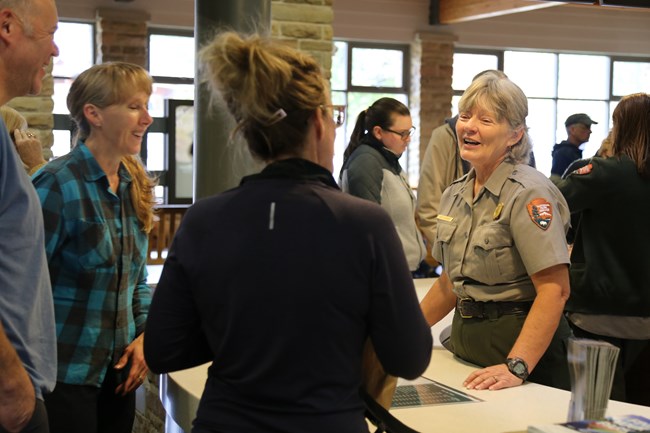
x=518 y=368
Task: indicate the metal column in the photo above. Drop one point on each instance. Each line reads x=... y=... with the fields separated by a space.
x=219 y=161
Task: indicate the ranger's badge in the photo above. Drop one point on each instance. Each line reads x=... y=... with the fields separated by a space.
x=540 y=212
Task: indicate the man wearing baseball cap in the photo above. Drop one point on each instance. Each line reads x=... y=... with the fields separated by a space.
x=578 y=128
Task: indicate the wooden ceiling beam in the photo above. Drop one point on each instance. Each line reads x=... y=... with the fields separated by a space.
x=456 y=11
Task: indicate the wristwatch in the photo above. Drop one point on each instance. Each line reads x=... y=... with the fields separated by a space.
x=518 y=367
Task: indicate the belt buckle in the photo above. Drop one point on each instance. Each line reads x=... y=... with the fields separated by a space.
x=461 y=308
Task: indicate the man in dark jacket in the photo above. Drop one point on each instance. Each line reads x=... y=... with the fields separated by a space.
x=578 y=128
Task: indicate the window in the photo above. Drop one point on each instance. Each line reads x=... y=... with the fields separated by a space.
x=361 y=74
x=173 y=75
x=630 y=77
x=466 y=66
x=69 y=64
x=173 y=81
x=559 y=85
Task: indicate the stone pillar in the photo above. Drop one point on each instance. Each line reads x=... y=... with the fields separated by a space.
x=37 y=110
x=307 y=26
x=432 y=57
x=122 y=36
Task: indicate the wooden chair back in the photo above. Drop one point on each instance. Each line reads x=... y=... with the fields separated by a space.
x=166 y=222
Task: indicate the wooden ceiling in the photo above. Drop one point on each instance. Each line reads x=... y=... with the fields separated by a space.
x=457 y=11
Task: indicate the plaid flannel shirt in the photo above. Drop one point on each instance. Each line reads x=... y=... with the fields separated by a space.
x=96 y=253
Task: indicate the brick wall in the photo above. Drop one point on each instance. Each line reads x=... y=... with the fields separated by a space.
x=305 y=25
x=431 y=92
x=122 y=36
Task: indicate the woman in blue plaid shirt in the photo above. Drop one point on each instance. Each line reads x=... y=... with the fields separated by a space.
x=98 y=208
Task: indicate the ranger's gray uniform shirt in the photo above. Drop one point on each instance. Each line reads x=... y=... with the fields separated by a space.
x=490 y=245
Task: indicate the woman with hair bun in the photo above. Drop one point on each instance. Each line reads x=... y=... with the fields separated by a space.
x=286 y=340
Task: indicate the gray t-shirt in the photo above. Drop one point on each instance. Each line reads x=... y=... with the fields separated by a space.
x=26 y=307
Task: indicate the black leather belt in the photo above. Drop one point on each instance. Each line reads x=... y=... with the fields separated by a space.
x=470 y=309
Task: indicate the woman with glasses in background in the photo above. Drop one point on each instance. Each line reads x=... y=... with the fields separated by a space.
x=371 y=169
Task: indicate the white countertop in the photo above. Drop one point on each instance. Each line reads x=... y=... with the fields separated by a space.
x=504 y=411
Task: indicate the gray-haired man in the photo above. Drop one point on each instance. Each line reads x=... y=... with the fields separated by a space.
x=27 y=333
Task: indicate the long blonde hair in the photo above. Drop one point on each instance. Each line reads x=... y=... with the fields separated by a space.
x=104 y=85
x=13 y=120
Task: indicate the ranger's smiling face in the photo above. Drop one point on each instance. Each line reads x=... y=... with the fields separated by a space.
x=483 y=138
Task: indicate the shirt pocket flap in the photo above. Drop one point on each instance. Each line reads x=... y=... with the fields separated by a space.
x=445 y=231
x=491 y=236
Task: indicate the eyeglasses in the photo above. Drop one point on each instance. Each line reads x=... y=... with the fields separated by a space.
x=404 y=135
x=338 y=113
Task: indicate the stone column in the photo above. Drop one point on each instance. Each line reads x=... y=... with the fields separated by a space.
x=432 y=57
x=37 y=110
x=122 y=36
x=307 y=26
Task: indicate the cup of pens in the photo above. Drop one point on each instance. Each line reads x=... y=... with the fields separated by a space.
x=591 y=367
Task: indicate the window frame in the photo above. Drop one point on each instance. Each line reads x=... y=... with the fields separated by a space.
x=406 y=67
x=64 y=122
x=619 y=58
x=167 y=32
x=500 y=54
x=94 y=38
x=170 y=151
x=166 y=177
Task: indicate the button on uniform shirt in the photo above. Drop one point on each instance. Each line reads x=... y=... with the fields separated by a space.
x=513 y=228
x=96 y=253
